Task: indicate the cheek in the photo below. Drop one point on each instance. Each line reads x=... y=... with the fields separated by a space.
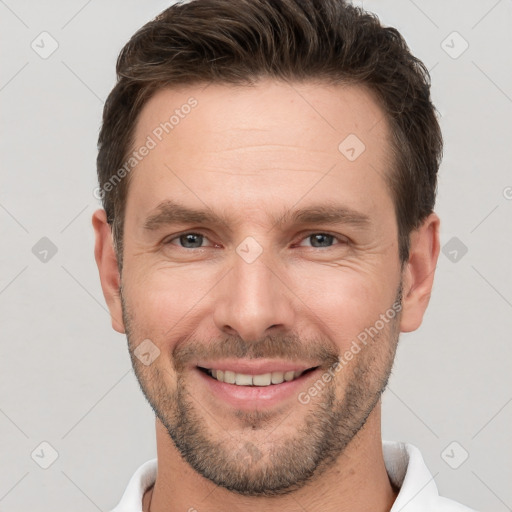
x=162 y=300
x=342 y=302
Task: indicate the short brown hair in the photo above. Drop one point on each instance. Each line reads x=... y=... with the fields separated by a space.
x=243 y=41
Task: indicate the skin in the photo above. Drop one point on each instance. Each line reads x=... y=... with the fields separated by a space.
x=252 y=154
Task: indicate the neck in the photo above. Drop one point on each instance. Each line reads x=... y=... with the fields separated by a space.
x=356 y=482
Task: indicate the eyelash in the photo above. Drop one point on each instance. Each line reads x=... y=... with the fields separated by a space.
x=342 y=240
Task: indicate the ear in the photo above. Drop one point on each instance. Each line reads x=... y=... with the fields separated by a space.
x=107 y=265
x=418 y=273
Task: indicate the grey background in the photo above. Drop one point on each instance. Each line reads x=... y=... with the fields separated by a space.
x=65 y=375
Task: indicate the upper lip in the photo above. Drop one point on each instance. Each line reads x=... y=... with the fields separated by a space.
x=255 y=366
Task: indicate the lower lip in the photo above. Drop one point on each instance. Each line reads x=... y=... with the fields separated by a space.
x=253 y=397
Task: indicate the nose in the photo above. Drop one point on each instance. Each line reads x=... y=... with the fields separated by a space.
x=253 y=301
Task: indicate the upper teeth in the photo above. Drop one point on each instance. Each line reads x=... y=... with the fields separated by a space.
x=242 y=379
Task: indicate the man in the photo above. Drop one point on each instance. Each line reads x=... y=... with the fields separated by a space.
x=268 y=174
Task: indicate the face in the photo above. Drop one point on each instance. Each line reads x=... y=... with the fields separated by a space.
x=257 y=251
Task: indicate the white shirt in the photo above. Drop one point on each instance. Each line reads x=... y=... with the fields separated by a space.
x=404 y=464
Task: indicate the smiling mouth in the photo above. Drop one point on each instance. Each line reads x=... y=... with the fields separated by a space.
x=264 y=379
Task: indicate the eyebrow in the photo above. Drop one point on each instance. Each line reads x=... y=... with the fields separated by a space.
x=170 y=212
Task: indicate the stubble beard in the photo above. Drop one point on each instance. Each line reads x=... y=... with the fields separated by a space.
x=240 y=461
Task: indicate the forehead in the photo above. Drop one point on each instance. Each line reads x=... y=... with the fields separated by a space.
x=251 y=145
x=239 y=112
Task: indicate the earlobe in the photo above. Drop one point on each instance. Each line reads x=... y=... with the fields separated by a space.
x=106 y=260
x=419 y=270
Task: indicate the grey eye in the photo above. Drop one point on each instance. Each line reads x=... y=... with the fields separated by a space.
x=191 y=240
x=321 y=240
